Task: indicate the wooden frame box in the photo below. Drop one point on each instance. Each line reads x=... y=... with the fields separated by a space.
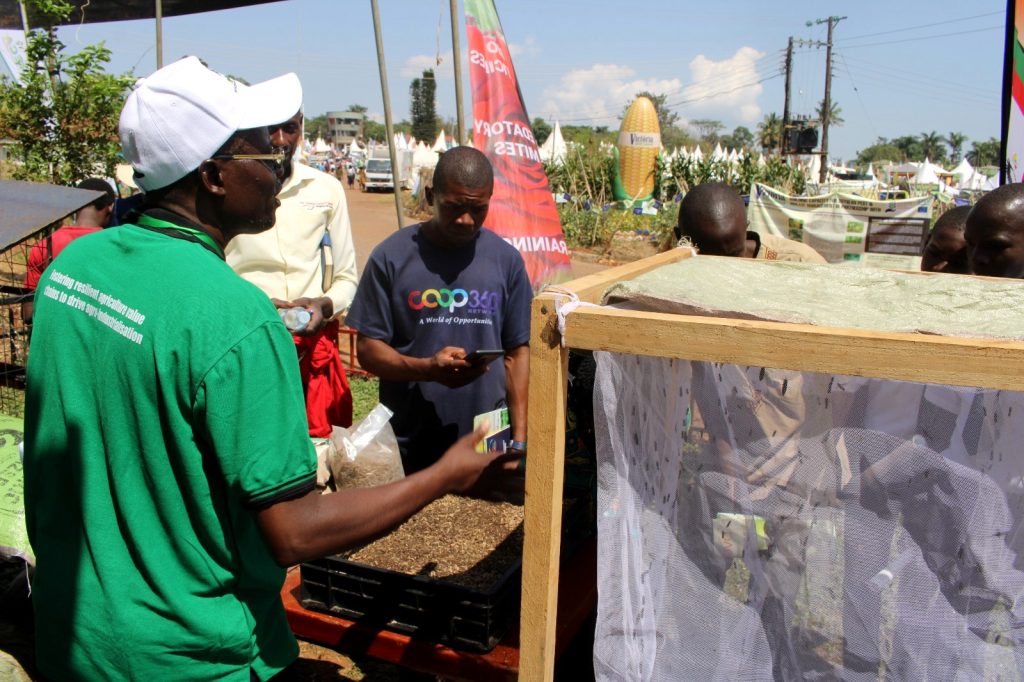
x=981 y=363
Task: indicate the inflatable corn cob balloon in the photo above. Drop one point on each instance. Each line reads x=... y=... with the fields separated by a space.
x=638 y=148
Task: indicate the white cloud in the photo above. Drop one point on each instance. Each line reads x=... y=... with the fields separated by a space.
x=597 y=95
x=727 y=89
x=415 y=65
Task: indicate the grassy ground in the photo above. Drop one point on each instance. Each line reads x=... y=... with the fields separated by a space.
x=364 y=396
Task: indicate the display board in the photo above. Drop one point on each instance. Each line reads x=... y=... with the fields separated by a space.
x=846 y=228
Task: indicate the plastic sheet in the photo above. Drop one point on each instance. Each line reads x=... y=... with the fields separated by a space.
x=862 y=298
x=760 y=524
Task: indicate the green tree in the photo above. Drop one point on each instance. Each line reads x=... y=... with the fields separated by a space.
x=316 y=126
x=372 y=130
x=910 y=147
x=932 y=146
x=984 y=153
x=769 y=132
x=541 y=130
x=708 y=129
x=882 y=150
x=63 y=116
x=423 y=113
x=357 y=108
x=740 y=138
x=835 y=113
x=956 y=141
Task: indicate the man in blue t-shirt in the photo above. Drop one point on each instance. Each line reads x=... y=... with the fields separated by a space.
x=431 y=294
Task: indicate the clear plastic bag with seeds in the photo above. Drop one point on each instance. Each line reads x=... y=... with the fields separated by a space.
x=367 y=454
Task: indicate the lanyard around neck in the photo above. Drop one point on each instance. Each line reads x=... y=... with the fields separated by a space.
x=179 y=232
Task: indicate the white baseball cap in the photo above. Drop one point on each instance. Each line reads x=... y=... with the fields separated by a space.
x=182 y=114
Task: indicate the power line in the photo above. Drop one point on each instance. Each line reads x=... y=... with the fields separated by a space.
x=678 y=103
x=606 y=112
x=914 y=28
x=937 y=35
x=902 y=74
x=856 y=91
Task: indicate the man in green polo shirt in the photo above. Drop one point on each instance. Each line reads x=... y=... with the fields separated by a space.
x=169 y=477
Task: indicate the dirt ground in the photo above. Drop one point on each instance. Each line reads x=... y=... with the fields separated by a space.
x=373 y=217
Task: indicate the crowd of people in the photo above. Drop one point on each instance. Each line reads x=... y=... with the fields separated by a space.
x=170 y=475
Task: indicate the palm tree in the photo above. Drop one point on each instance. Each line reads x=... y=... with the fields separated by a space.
x=984 y=153
x=956 y=144
x=931 y=146
x=835 y=113
x=769 y=131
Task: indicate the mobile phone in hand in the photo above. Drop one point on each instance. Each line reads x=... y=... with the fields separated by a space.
x=485 y=355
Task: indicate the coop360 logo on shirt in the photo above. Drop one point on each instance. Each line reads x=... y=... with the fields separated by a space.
x=475 y=301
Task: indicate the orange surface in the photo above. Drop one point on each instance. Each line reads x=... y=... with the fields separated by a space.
x=577 y=597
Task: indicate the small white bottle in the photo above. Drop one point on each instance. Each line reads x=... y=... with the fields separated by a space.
x=295 y=319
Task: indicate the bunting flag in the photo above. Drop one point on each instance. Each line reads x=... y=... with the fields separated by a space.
x=1012 y=167
x=522 y=209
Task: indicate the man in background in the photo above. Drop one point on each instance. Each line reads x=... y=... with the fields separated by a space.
x=995 y=233
x=307 y=261
x=946 y=248
x=91 y=218
x=433 y=293
x=712 y=216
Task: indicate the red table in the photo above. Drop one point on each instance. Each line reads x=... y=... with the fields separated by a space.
x=577 y=598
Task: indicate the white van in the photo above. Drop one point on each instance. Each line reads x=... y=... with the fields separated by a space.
x=378 y=175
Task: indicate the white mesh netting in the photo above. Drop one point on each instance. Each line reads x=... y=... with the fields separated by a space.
x=769 y=524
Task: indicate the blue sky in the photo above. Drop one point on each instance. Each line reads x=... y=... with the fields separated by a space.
x=900 y=68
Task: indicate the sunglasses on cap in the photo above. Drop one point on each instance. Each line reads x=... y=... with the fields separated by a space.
x=272 y=160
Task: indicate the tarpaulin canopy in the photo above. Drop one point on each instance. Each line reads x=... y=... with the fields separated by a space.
x=27 y=207
x=89 y=12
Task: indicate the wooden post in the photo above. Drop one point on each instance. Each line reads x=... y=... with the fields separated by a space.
x=388 y=127
x=460 y=120
x=545 y=470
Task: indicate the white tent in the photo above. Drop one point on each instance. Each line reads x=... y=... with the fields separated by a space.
x=964 y=170
x=553 y=150
x=926 y=174
x=424 y=156
x=760 y=160
x=991 y=183
x=718 y=154
x=440 y=145
x=697 y=155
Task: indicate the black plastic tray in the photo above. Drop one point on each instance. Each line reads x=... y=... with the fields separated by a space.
x=427 y=608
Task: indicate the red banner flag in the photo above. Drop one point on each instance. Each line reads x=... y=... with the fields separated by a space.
x=522 y=209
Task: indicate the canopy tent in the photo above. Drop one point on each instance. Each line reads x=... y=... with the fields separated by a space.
x=91 y=12
x=553 y=150
x=440 y=145
x=320 y=147
x=27 y=207
x=424 y=156
x=926 y=174
x=975 y=181
x=964 y=170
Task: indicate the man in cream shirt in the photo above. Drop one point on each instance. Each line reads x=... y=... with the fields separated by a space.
x=307 y=261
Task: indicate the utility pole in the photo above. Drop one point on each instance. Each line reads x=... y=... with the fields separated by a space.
x=457 y=63
x=785 y=107
x=827 y=104
x=375 y=11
